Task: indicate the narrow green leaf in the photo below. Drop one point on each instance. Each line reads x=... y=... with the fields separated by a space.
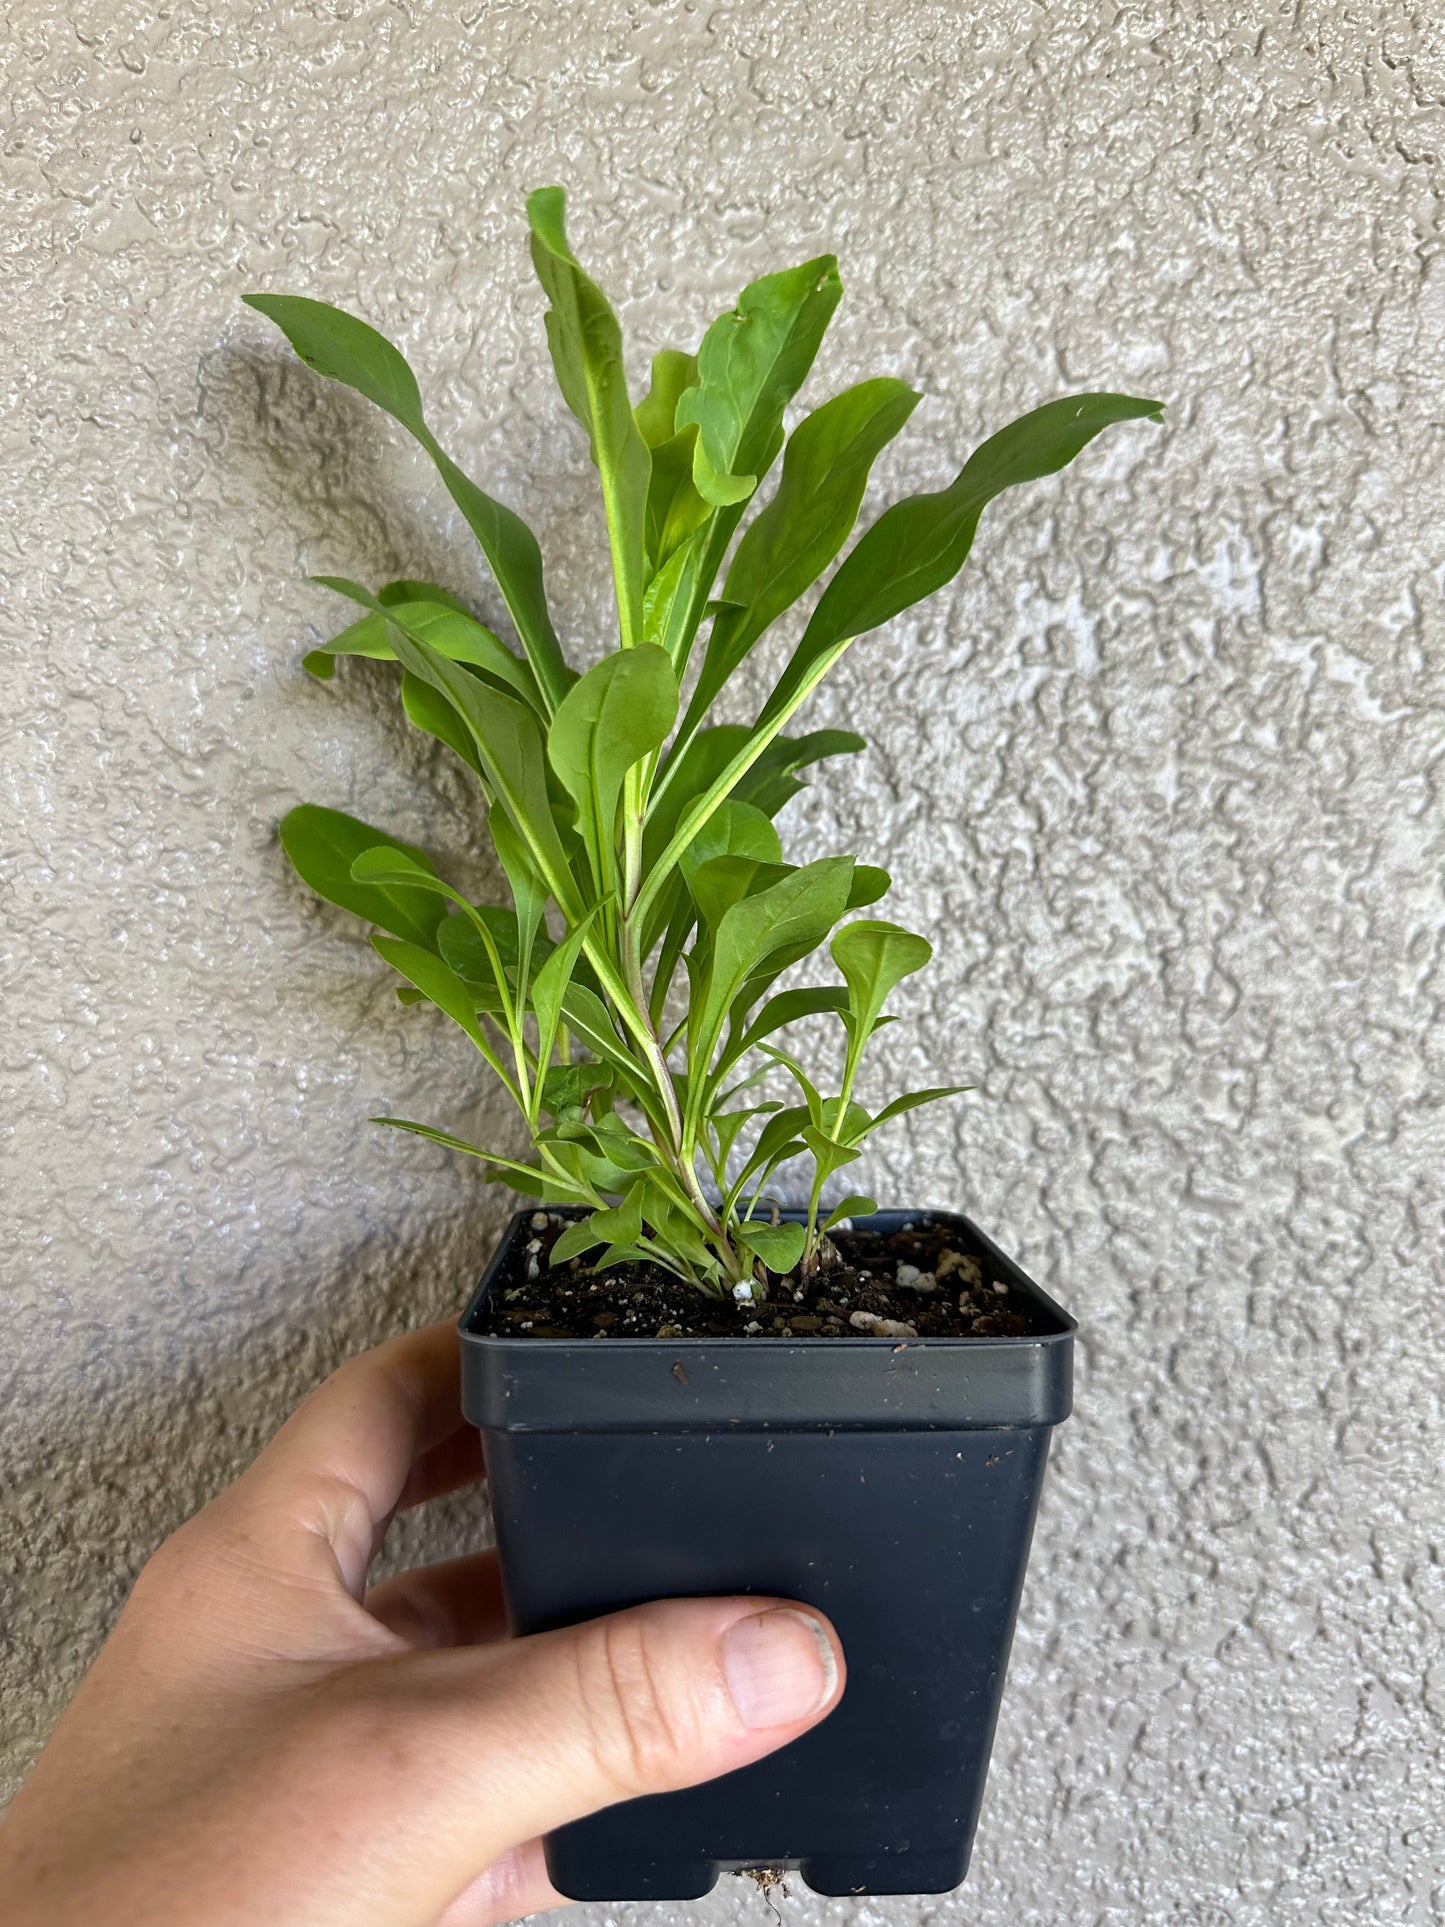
x=766 y=784
x=727 y=1125
x=529 y=893
x=320 y=662
x=549 y=987
x=675 y=510
x=667 y=597
x=751 y=363
x=912 y=1101
x=342 y=348
x=410 y=590
x=437 y=982
x=586 y=344
x=525 y=1177
x=786 y=548
x=919 y=544
x=323 y=844
x=817 y=1107
x=780 y=1246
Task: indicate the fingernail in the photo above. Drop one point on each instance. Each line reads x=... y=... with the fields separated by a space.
x=779 y=1667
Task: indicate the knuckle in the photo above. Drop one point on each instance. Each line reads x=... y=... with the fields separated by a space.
x=639 y=1727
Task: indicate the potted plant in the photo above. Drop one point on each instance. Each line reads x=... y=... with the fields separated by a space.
x=684 y=1386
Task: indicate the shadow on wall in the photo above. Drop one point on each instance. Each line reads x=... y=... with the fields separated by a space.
x=318 y=462
x=314 y=467
x=94 y=1491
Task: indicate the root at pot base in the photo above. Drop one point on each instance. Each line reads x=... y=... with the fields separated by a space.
x=924 y=1280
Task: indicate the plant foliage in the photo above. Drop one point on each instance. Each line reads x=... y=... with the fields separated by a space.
x=636 y=834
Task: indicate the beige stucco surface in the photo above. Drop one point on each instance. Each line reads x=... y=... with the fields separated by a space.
x=1161 y=777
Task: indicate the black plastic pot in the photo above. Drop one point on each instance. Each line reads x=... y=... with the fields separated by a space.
x=894 y=1486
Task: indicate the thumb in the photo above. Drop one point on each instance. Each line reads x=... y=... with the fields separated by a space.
x=557 y=1725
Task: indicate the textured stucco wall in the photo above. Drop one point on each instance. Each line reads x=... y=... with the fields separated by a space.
x=1161 y=776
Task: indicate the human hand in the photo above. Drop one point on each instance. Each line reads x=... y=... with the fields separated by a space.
x=264 y=1739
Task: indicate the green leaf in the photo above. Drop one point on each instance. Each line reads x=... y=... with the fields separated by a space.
x=780 y=1138
x=912 y=1101
x=567 y=1089
x=717 y=885
x=799 y=909
x=734 y=829
x=919 y=544
x=451 y=632
x=817 y=1108
x=674 y=507
x=673 y=373
x=788 y=1007
x=869 y=883
x=550 y=986
x=478 y=945
x=874 y=958
x=826 y=465
x=323 y=845
x=620 y=1225
x=320 y=662
x=829 y=1154
x=772 y=781
x=462 y=945
x=508 y=738
x=751 y=363
x=786 y=548
x=529 y=893
x=409 y=590
x=767 y=785
x=667 y=597
x=344 y=349
x=536 y=1183
x=727 y=1125
x=675 y=510
x=427 y=709
x=590 y=1022
x=618 y=713
x=780 y=1246
x=586 y=344
x=851 y=1207
x=437 y=982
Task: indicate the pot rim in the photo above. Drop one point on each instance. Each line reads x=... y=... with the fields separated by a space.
x=516 y=1383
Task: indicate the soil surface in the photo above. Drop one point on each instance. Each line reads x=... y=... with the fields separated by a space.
x=926 y=1281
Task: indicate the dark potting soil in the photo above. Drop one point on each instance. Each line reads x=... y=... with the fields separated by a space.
x=926 y=1281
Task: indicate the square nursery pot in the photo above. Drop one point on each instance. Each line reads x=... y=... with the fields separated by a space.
x=893 y=1486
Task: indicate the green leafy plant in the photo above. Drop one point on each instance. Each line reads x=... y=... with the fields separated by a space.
x=636 y=835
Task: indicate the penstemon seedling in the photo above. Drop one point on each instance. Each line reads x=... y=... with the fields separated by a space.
x=639 y=842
